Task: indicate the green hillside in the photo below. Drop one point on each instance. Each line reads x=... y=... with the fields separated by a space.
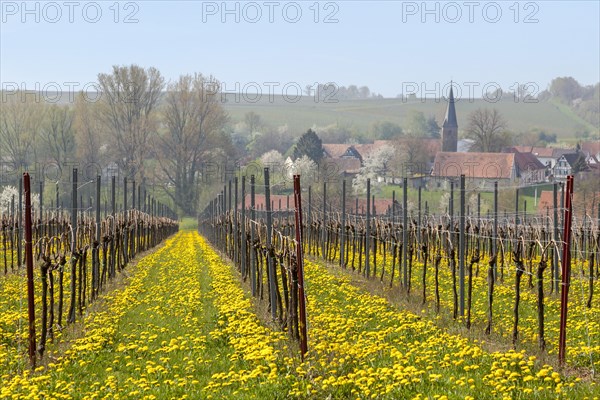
x=361 y=114
x=550 y=116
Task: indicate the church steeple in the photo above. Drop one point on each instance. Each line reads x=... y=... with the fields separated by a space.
x=450 y=119
x=450 y=126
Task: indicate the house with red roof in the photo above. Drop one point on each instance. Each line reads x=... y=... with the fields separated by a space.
x=480 y=169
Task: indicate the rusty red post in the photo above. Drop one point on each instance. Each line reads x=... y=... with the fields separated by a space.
x=566 y=271
x=300 y=261
x=29 y=266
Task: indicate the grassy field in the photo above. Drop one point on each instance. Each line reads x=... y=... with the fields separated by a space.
x=359 y=115
x=437 y=200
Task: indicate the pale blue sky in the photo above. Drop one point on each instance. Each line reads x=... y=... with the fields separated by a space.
x=381 y=44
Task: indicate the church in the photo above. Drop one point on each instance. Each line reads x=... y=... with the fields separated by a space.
x=481 y=169
x=450 y=126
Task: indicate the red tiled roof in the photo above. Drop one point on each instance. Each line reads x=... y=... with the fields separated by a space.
x=474 y=165
x=366 y=149
x=528 y=162
x=538 y=151
x=335 y=150
x=592 y=147
x=546 y=201
x=546 y=152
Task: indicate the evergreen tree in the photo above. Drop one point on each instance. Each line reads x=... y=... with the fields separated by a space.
x=309 y=145
x=433 y=129
x=580 y=165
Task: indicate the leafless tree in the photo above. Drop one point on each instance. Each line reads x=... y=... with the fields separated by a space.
x=412 y=156
x=57 y=134
x=20 y=119
x=194 y=120
x=253 y=121
x=487 y=129
x=89 y=135
x=130 y=96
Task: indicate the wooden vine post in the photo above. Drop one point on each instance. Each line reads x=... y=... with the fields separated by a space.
x=300 y=265
x=461 y=248
x=343 y=227
x=270 y=262
x=566 y=271
x=368 y=230
x=29 y=266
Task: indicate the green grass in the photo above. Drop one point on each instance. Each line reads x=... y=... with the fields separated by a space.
x=506 y=200
x=359 y=115
x=569 y=112
x=188 y=223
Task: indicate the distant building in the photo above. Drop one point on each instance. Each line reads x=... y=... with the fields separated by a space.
x=346 y=167
x=591 y=151
x=341 y=159
x=450 y=126
x=483 y=169
x=347 y=159
x=340 y=150
x=529 y=169
x=567 y=165
x=480 y=169
x=561 y=163
x=546 y=155
x=591 y=148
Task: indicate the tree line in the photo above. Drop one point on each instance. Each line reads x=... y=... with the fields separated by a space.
x=150 y=130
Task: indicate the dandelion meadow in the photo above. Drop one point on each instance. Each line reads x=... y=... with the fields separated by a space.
x=183 y=326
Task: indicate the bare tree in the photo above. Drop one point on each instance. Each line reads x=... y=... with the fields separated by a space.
x=20 y=119
x=487 y=129
x=412 y=156
x=57 y=134
x=365 y=92
x=130 y=96
x=194 y=119
x=253 y=121
x=88 y=131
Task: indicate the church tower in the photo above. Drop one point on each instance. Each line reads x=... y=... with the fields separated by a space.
x=450 y=126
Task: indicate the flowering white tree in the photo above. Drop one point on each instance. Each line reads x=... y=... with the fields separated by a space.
x=272 y=158
x=304 y=166
x=375 y=167
x=6 y=196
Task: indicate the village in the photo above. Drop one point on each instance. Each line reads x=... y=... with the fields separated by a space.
x=432 y=165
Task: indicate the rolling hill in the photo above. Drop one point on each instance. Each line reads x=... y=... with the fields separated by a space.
x=361 y=114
